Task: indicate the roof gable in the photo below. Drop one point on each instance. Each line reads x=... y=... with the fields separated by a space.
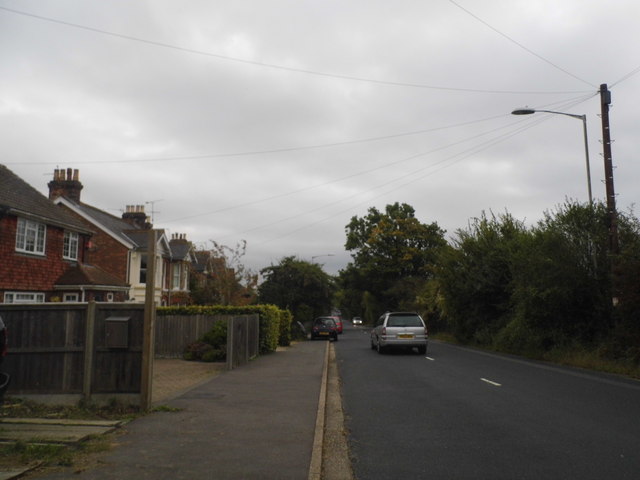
x=110 y=224
x=19 y=198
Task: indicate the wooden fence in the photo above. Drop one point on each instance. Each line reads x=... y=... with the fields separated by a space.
x=243 y=343
x=61 y=353
x=175 y=332
x=72 y=351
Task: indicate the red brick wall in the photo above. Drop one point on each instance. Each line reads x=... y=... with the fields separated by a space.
x=33 y=273
x=107 y=253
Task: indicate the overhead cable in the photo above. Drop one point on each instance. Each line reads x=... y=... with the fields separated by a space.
x=521 y=45
x=276 y=66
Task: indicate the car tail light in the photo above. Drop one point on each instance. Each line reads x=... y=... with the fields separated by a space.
x=384 y=330
x=426 y=333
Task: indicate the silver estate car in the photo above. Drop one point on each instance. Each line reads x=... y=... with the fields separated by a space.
x=399 y=329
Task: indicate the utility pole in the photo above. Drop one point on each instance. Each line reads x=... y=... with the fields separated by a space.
x=149 y=324
x=605 y=101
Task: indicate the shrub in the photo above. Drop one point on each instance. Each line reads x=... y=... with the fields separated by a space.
x=215 y=355
x=195 y=351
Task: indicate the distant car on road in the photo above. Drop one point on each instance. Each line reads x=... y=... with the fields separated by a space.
x=399 y=330
x=356 y=321
x=324 y=327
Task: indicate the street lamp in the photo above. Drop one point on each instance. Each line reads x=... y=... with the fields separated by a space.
x=531 y=111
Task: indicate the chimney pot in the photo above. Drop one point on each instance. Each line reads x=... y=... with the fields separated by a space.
x=65 y=184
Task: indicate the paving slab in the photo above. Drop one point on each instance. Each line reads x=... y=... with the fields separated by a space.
x=52 y=430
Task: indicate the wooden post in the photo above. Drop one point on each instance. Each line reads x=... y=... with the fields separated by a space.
x=230 y=340
x=149 y=324
x=89 y=350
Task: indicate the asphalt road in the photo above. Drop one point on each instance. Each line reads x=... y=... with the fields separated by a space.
x=459 y=413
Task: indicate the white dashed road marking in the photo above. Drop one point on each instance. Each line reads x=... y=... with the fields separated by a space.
x=490 y=382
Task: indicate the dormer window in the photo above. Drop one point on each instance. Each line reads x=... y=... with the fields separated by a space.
x=70 y=246
x=30 y=236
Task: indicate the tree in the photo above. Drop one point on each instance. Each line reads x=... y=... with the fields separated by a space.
x=299 y=286
x=227 y=280
x=528 y=290
x=393 y=256
x=474 y=277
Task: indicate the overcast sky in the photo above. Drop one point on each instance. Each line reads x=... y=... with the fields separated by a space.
x=277 y=121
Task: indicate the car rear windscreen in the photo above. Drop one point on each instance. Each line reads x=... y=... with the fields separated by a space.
x=404 y=321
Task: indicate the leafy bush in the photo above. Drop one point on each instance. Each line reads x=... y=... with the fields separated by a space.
x=215 y=355
x=286 y=318
x=195 y=351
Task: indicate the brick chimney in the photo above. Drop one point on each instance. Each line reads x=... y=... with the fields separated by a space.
x=178 y=238
x=134 y=215
x=66 y=184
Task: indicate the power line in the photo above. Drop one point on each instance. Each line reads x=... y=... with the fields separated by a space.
x=565 y=104
x=269 y=151
x=520 y=45
x=341 y=179
x=626 y=77
x=273 y=65
x=458 y=157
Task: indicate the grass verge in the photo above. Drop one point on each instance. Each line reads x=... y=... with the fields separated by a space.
x=571 y=357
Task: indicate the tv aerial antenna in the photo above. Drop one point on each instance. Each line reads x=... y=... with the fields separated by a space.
x=153 y=210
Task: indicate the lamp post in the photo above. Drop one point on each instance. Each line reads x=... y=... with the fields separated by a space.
x=531 y=111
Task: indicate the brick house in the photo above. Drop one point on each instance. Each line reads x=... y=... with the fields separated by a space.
x=43 y=250
x=119 y=245
x=182 y=260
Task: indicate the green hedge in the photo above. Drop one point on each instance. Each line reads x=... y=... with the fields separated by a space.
x=286 y=317
x=275 y=324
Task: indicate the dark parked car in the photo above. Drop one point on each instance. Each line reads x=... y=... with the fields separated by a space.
x=324 y=327
x=4 y=377
x=399 y=330
x=3 y=340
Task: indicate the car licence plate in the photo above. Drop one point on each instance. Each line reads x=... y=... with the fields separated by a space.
x=405 y=335
x=324 y=333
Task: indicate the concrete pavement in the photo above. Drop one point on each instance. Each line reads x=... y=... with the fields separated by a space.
x=256 y=422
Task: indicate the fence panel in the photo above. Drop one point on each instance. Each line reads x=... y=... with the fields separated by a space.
x=49 y=348
x=46 y=348
x=118 y=337
x=240 y=345
x=175 y=332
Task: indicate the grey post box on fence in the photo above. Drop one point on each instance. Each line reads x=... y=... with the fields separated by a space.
x=117 y=332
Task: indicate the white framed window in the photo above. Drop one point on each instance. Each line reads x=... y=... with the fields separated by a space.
x=23 y=297
x=143 y=268
x=70 y=246
x=30 y=236
x=177 y=276
x=70 y=297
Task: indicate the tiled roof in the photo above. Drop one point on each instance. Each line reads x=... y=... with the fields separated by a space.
x=114 y=224
x=180 y=250
x=89 y=275
x=19 y=198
